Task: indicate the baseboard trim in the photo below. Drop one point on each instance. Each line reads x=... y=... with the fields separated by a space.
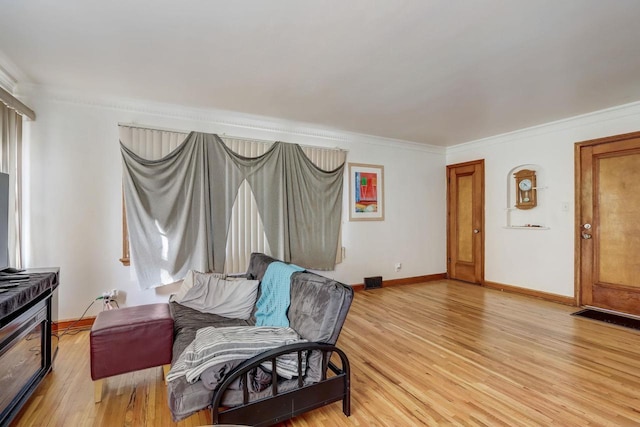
x=405 y=281
x=532 y=293
x=84 y=323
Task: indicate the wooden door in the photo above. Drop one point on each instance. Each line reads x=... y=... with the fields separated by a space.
x=608 y=223
x=465 y=221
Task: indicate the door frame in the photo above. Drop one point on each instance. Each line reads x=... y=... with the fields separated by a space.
x=579 y=263
x=481 y=163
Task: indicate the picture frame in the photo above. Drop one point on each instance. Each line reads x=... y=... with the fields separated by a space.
x=366 y=192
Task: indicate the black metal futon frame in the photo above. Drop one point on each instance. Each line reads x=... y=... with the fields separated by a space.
x=279 y=407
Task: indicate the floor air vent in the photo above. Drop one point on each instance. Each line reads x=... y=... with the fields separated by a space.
x=373 y=282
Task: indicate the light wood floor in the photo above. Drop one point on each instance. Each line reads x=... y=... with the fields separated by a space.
x=441 y=353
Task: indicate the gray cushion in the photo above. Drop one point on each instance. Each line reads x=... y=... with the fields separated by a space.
x=317 y=312
x=318 y=309
x=185 y=398
x=258 y=264
x=234 y=397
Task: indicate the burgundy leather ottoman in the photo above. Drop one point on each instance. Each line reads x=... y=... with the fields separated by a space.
x=129 y=339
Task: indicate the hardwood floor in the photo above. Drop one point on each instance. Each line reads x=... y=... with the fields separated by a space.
x=440 y=353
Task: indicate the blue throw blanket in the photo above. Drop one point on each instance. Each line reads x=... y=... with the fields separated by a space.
x=275 y=298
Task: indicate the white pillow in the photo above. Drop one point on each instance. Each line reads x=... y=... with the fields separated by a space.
x=231 y=298
x=187 y=283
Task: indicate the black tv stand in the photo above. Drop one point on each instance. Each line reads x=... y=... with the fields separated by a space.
x=28 y=344
x=9 y=276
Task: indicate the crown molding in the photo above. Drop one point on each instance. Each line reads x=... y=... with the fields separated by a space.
x=10 y=74
x=595 y=117
x=7 y=82
x=225 y=118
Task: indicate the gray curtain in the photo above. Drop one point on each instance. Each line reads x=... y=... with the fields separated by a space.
x=11 y=163
x=179 y=207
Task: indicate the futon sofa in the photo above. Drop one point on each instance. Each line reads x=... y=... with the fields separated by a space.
x=317 y=311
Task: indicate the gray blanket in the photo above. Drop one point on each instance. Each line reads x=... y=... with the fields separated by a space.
x=258 y=379
x=215 y=346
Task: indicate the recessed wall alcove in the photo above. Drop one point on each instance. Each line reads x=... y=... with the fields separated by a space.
x=527 y=219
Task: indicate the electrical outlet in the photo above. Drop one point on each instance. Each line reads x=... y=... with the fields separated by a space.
x=398 y=266
x=110 y=295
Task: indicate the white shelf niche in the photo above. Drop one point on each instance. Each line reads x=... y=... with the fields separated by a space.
x=524 y=227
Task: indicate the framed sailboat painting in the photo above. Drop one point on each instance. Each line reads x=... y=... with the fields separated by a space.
x=366 y=192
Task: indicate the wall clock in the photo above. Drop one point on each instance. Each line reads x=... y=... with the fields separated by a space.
x=525 y=189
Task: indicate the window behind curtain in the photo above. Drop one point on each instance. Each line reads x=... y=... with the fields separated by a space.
x=11 y=163
x=246 y=232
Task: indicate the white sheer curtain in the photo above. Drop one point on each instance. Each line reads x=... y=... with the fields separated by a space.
x=246 y=231
x=11 y=163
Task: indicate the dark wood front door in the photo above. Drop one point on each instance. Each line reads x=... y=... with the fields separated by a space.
x=465 y=221
x=608 y=223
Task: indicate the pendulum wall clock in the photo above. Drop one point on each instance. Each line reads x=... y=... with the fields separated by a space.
x=525 y=189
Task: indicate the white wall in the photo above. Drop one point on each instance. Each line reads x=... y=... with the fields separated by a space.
x=73 y=194
x=538 y=259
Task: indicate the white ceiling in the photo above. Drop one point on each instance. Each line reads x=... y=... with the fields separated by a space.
x=440 y=72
